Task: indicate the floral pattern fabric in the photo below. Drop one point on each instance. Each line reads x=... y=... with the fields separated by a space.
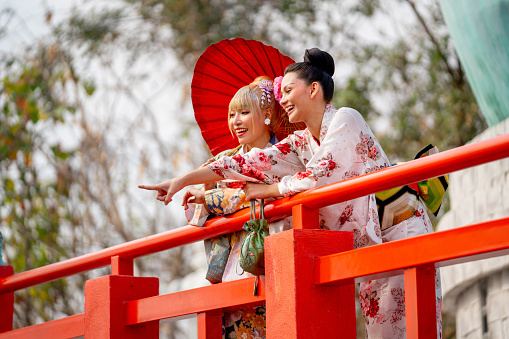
x=346 y=148
x=228 y=198
x=248 y=323
x=221 y=201
x=383 y=300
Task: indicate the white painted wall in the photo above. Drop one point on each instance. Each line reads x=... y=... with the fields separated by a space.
x=479 y=194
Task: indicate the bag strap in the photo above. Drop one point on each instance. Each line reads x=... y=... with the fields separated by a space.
x=253 y=209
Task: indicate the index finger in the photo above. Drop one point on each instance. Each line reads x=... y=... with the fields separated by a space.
x=149 y=187
x=168 y=198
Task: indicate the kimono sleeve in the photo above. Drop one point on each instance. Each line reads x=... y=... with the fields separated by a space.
x=221 y=201
x=336 y=159
x=196 y=214
x=265 y=166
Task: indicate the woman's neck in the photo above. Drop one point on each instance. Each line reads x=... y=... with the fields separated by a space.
x=314 y=123
x=258 y=143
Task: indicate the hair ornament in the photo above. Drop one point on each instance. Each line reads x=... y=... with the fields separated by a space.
x=277 y=88
x=267 y=87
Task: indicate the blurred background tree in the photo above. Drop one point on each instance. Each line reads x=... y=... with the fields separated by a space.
x=34 y=210
x=101 y=103
x=410 y=76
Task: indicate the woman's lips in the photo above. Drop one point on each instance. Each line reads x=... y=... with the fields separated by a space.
x=241 y=131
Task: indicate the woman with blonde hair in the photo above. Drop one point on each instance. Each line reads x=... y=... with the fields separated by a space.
x=253 y=116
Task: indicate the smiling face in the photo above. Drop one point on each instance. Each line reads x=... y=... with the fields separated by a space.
x=249 y=127
x=296 y=98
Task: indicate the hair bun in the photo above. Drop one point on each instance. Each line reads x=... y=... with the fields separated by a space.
x=320 y=59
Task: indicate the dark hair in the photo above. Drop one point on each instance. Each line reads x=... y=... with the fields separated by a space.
x=317 y=66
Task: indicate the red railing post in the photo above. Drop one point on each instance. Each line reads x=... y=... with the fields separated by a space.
x=296 y=307
x=105 y=311
x=6 y=301
x=121 y=266
x=210 y=325
x=304 y=217
x=420 y=302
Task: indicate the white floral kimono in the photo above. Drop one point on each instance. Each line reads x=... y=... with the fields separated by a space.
x=347 y=148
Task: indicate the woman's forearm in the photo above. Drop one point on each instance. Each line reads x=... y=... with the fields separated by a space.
x=167 y=189
x=199 y=176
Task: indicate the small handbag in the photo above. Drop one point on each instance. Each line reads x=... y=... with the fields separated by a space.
x=252 y=256
x=432 y=191
x=398 y=204
x=218 y=249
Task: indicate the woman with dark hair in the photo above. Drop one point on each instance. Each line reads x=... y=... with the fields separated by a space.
x=336 y=145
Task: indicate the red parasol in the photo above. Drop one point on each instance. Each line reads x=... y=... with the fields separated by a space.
x=219 y=73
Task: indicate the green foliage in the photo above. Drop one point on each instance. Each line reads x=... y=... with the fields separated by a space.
x=196 y=24
x=33 y=207
x=92 y=31
x=415 y=78
x=356 y=94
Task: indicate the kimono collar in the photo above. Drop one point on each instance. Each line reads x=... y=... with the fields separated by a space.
x=273 y=140
x=326 y=120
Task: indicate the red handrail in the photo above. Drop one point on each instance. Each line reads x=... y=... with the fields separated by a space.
x=197 y=300
x=468 y=243
x=413 y=171
x=68 y=327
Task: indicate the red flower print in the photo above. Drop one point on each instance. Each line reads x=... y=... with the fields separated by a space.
x=399 y=312
x=239 y=159
x=350 y=174
x=262 y=162
x=332 y=165
x=373 y=308
x=252 y=173
x=218 y=171
x=236 y=184
x=302 y=175
x=326 y=166
x=284 y=148
x=262 y=157
x=346 y=215
x=368 y=300
x=366 y=147
x=373 y=152
x=358 y=240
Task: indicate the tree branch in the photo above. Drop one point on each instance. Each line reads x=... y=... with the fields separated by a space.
x=433 y=40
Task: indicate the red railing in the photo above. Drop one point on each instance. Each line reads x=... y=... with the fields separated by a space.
x=416 y=257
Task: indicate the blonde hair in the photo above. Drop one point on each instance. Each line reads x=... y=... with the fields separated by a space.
x=249 y=97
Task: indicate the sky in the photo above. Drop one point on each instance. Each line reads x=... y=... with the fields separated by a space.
x=28 y=19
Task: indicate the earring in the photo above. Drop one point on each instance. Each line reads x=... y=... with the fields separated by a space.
x=267 y=121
